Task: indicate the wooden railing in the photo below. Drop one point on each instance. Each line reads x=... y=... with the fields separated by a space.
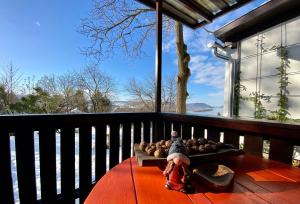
x=23 y=128
x=282 y=137
x=130 y=127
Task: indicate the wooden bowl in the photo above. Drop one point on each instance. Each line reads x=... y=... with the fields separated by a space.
x=214 y=176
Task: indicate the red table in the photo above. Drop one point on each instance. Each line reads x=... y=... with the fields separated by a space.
x=257 y=181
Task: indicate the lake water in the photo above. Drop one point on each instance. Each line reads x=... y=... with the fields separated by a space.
x=213 y=112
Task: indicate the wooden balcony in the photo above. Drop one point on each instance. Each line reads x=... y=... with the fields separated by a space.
x=131 y=128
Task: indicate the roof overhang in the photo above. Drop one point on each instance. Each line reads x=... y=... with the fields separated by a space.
x=196 y=13
x=263 y=17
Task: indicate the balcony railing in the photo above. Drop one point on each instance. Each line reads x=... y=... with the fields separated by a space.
x=124 y=129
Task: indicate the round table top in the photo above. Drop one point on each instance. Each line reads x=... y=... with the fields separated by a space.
x=257 y=181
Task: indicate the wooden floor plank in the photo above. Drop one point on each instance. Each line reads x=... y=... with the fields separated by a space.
x=150 y=186
x=115 y=187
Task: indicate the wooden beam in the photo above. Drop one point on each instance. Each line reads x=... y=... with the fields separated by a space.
x=170 y=14
x=199 y=9
x=158 y=56
x=186 y=19
x=221 y=4
x=233 y=7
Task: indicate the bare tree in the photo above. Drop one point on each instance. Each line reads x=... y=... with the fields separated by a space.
x=143 y=93
x=114 y=24
x=98 y=86
x=128 y=25
x=28 y=85
x=10 y=80
x=169 y=94
x=49 y=84
x=65 y=86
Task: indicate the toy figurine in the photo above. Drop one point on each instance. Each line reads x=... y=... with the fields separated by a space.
x=176 y=170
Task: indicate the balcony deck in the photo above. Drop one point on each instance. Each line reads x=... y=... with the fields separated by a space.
x=266 y=180
x=257 y=181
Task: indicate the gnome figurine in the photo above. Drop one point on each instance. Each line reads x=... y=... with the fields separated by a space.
x=176 y=170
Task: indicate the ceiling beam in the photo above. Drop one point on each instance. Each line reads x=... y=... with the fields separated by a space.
x=151 y=4
x=239 y=4
x=221 y=4
x=192 y=5
x=199 y=9
x=186 y=15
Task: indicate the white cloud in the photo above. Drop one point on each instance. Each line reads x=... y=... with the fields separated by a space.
x=196 y=41
x=169 y=45
x=207 y=72
x=196 y=59
x=37 y=23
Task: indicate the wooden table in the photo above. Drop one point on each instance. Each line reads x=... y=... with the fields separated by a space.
x=257 y=181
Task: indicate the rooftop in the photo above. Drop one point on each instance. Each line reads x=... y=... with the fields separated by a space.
x=196 y=13
x=261 y=18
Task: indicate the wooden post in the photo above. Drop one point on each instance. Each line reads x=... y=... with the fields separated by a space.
x=158 y=56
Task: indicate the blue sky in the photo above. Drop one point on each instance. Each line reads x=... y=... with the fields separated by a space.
x=39 y=37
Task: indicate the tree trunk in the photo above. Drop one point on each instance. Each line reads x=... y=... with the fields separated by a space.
x=183 y=70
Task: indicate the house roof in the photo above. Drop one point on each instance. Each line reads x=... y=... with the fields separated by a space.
x=196 y=13
x=263 y=17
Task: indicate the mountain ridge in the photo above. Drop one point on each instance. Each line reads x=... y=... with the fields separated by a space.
x=191 y=107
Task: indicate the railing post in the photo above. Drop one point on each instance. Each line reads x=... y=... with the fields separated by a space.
x=158 y=129
x=101 y=147
x=48 y=164
x=167 y=130
x=126 y=140
x=253 y=145
x=67 y=154
x=26 y=165
x=281 y=150
x=85 y=161
x=6 y=186
x=114 y=144
x=232 y=137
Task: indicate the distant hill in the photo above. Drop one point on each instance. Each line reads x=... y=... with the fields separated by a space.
x=130 y=105
x=198 y=107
